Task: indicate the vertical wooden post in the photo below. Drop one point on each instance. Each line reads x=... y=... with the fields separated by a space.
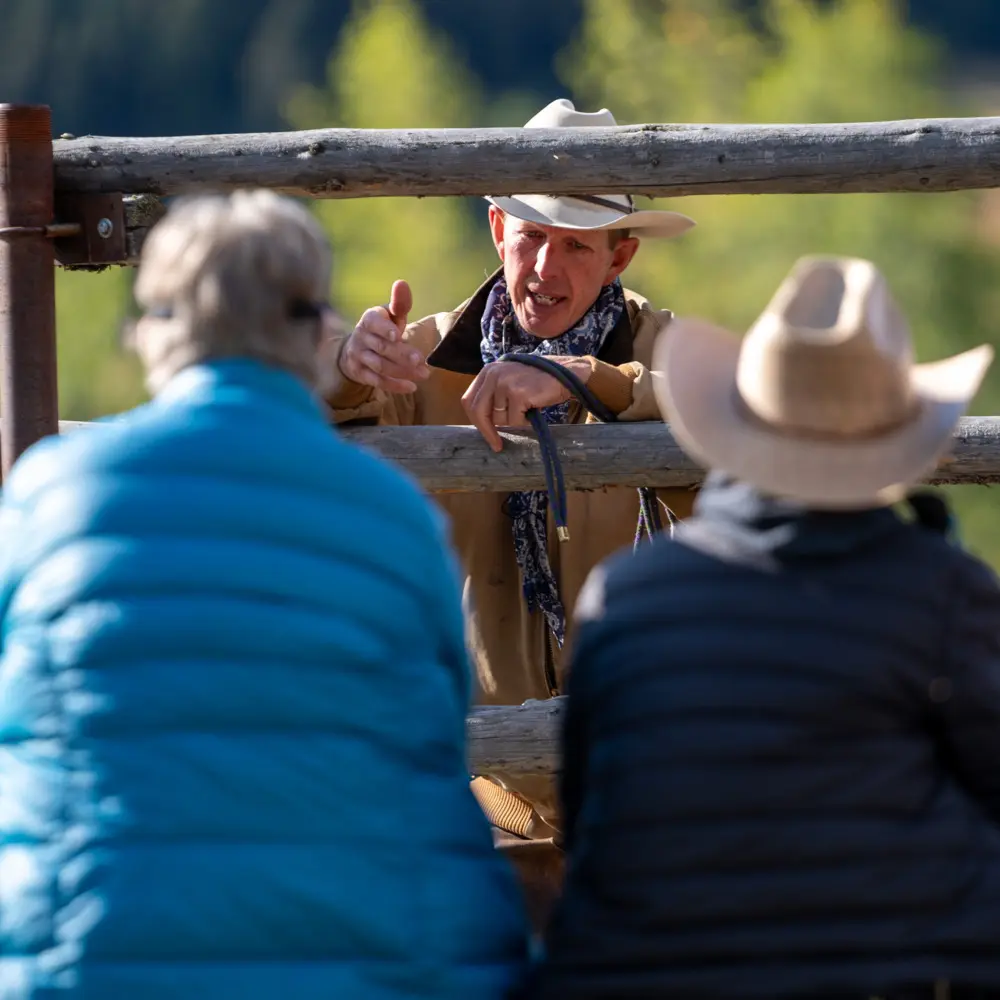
x=29 y=407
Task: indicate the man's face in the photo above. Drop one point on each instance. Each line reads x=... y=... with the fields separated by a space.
x=555 y=275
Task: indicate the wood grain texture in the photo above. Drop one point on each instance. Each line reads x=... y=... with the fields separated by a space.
x=946 y=154
x=457 y=459
x=515 y=739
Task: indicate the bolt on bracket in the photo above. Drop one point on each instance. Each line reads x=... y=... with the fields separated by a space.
x=99 y=239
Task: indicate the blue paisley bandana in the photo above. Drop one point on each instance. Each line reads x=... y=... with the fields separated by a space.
x=503 y=335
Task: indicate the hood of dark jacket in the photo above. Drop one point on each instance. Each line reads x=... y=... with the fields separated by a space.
x=736 y=520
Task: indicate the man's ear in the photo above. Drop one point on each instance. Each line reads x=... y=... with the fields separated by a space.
x=497 y=219
x=621 y=257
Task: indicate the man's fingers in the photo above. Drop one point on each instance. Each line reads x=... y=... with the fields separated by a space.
x=501 y=396
x=486 y=427
x=479 y=402
x=389 y=369
x=517 y=414
x=391 y=378
x=372 y=359
x=398 y=354
x=378 y=321
x=400 y=303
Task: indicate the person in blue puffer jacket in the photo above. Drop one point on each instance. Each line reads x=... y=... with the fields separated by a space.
x=233 y=679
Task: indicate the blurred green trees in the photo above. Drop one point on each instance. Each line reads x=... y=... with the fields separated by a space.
x=391 y=71
x=652 y=61
x=95 y=376
x=849 y=60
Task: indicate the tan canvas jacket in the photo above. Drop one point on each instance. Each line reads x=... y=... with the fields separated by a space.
x=512 y=651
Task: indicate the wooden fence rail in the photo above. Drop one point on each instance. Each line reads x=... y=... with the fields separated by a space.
x=90 y=174
x=943 y=154
x=456 y=459
x=515 y=739
x=652 y=160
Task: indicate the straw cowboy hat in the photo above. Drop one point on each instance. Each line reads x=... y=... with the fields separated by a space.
x=820 y=402
x=613 y=211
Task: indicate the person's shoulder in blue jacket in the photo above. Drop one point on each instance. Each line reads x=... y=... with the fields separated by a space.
x=233 y=680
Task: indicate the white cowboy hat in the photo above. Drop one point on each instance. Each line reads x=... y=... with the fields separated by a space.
x=613 y=211
x=821 y=401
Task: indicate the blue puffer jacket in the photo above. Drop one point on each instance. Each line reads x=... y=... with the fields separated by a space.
x=232 y=695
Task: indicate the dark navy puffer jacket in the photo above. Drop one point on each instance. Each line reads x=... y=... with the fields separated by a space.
x=782 y=765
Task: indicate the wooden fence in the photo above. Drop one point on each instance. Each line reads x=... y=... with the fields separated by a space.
x=943 y=154
x=89 y=201
x=457 y=459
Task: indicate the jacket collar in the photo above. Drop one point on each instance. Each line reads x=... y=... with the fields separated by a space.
x=735 y=521
x=459 y=352
x=209 y=381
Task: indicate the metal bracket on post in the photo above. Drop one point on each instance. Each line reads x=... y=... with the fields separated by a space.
x=29 y=406
x=98 y=230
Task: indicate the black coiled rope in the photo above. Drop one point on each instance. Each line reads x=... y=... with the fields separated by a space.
x=650 y=522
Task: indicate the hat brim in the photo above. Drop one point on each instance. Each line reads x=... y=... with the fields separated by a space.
x=695 y=383
x=561 y=213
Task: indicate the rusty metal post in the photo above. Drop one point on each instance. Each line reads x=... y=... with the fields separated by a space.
x=29 y=407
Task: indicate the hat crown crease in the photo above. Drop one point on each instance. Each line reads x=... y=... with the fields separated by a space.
x=831 y=356
x=589 y=212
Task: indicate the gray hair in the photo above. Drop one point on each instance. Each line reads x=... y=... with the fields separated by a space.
x=218 y=277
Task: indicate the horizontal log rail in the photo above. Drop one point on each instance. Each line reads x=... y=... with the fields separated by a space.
x=941 y=154
x=456 y=459
x=515 y=739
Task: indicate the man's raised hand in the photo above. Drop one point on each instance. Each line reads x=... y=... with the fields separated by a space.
x=375 y=353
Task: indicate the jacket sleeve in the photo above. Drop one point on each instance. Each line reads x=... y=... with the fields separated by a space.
x=18 y=500
x=573 y=748
x=611 y=384
x=967 y=690
x=574 y=737
x=625 y=389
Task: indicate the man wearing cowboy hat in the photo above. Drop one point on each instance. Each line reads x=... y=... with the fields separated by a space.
x=783 y=727
x=558 y=293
